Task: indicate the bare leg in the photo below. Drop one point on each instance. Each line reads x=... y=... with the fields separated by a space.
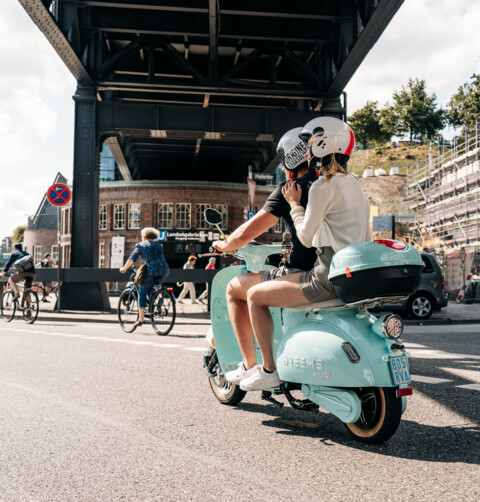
x=282 y=292
x=141 y=314
x=14 y=285
x=239 y=316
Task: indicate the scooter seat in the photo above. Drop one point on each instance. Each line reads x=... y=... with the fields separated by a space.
x=335 y=302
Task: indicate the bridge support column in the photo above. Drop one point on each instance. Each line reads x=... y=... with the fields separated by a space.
x=85 y=196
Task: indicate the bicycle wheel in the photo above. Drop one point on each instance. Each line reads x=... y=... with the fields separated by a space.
x=8 y=306
x=128 y=310
x=162 y=311
x=30 y=307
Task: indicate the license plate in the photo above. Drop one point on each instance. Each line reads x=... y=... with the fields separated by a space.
x=400 y=371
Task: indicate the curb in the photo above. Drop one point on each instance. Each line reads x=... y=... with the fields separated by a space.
x=438 y=322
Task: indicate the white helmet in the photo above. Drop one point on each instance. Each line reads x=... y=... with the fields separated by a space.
x=292 y=150
x=331 y=136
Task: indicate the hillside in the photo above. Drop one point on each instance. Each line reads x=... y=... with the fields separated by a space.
x=387 y=157
x=386 y=192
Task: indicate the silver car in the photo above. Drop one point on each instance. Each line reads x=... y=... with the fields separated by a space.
x=430 y=295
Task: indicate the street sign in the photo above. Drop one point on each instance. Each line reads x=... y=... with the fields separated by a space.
x=382 y=223
x=250 y=215
x=59 y=194
x=463 y=254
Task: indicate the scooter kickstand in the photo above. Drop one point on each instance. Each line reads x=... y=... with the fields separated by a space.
x=267 y=396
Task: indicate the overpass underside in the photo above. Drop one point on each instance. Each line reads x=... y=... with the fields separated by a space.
x=198 y=89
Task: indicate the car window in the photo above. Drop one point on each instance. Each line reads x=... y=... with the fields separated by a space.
x=428 y=265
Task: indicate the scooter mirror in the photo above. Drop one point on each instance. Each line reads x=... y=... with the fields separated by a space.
x=212 y=216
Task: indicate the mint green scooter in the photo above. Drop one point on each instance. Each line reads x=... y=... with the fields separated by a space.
x=339 y=356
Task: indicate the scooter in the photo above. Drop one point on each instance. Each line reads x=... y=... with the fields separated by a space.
x=341 y=357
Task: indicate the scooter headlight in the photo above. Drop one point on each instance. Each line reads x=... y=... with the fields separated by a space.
x=392 y=327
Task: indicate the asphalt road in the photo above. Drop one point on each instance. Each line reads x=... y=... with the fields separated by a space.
x=89 y=413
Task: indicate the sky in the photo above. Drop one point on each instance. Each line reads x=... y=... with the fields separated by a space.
x=435 y=40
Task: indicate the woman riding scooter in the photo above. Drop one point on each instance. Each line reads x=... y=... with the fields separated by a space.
x=337 y=214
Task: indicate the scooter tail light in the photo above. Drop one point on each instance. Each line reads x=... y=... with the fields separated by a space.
x=398 y=245
x=170 y=289
x=408 y=391
x=392 y=326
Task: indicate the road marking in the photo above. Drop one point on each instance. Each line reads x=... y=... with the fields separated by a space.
x=427 y=379
x=110 y=340
x=471 y=386
x=438 y=354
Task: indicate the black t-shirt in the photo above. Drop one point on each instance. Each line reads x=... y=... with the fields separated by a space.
x=300 y=256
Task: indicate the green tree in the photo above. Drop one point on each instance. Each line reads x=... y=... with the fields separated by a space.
x=464 y=106
x=17 y=235
x=365 y=123
x=414 y=112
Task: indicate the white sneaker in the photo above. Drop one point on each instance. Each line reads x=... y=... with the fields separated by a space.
x=179 y=301
x=261 y=380
x=236 y=376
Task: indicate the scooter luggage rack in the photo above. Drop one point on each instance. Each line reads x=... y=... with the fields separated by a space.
x=362 y=304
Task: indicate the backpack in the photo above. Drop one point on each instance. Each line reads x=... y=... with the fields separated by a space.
x=24 y=264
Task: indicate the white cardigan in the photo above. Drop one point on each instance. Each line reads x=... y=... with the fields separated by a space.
x=337 y=214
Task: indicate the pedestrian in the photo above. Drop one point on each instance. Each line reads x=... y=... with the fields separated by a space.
x=47 y=262
x=150 y=249
x=188 y=287
x=210 y=266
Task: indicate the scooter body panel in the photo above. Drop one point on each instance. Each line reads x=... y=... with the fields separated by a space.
x=226 y=344
x=311 y=351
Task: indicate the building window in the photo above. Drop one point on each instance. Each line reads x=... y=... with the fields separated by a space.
x=101 y=255
x=165 y=215
x=102 y=217
x=55 y=253
x=66 y=221
x=37 y=254
x=134 y=216
x=278 y=228
x=183 y=216
x=200 y=222
x=118 y=216
x=223 y=210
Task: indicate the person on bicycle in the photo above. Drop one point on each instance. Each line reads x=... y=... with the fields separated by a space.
x=291 y=150
x=47 y=262
x=25 y=272
x=151 y=249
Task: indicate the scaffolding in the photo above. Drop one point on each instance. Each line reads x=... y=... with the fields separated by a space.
x=443 y=195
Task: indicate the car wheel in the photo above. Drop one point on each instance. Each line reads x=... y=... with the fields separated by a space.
x=421 y=306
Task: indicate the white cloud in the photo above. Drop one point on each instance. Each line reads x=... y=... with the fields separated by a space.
x=36 y=116
x=435 y=40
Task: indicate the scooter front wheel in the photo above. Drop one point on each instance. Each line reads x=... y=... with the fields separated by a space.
x=380 y=416
x=226 y=392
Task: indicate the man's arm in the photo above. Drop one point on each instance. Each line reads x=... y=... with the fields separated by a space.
x=246 y=232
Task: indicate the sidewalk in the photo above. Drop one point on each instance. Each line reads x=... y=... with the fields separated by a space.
x=454 y=313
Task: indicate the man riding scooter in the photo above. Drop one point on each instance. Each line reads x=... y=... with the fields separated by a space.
x=292 y=151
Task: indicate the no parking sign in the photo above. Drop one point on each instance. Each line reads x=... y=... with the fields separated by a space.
x=59 y=194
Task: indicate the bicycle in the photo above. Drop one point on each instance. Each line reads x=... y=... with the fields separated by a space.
x=28 y=304
x=160 y=309
x=43 y=293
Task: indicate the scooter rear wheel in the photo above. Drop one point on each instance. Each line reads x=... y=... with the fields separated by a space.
x=380 y=416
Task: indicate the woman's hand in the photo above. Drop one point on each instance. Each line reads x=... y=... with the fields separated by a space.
x=292 y=192
x=123 y=270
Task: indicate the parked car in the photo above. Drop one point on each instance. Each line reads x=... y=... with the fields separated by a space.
x=430 y=295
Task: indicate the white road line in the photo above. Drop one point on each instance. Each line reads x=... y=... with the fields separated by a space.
x=471 y=386
x=196 y=349
x=438 y=354
x=168 y=345
x=427 y=379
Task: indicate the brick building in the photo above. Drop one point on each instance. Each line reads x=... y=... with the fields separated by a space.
x=174 y=207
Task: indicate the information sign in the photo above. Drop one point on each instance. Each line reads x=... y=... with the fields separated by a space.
x=59 y=194
x=382 y=223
